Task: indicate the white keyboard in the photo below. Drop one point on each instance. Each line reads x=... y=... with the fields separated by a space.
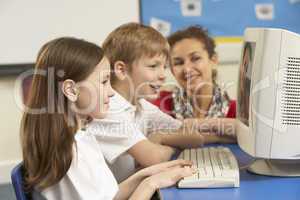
x=217 y=168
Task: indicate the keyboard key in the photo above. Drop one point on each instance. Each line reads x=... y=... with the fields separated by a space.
x=217 y=167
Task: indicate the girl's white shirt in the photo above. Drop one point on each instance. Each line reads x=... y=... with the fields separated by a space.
x=88 y=177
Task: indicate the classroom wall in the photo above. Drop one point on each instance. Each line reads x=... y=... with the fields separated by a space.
x=10 y=152
x=228 y=77
x=114 y=13
x=229 y=54
x=27 y=25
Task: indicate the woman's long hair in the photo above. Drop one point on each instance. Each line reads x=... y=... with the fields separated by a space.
x=48 y=125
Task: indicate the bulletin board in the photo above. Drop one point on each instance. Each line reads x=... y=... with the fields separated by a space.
x=222 y=18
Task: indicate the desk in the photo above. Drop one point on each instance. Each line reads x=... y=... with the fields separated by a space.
x=252 y=187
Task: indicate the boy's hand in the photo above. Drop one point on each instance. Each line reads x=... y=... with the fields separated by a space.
x=210 y=138
x=156 y=138
x=219 y=130
x=219 y=126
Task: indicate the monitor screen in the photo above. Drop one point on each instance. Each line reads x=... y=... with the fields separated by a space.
x=244 y=84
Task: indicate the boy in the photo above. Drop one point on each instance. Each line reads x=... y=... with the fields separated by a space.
x=138 y=56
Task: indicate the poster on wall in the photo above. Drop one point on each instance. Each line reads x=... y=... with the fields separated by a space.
x=223 y=18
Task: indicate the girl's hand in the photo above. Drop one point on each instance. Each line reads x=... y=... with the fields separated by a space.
x=162 y=167
x=161 y=176
x=170 y=177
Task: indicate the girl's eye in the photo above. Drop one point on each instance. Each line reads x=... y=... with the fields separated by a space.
x=104 y=82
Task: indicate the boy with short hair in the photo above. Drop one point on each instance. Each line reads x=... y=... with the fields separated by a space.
x=138 y=57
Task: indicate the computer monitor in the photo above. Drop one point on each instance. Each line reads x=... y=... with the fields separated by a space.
x=268 y=103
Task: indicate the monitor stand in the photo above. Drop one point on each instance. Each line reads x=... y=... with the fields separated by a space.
x=284 y=168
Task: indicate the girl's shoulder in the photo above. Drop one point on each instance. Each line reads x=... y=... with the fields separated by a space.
x=88 y=175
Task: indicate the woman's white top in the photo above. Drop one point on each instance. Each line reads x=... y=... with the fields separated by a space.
x=88 y=177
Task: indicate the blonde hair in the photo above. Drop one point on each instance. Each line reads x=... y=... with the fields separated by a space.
x=130 y=42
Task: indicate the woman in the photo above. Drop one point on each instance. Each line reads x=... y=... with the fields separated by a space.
x=193 y=64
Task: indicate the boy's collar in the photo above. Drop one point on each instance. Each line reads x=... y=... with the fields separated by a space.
x=120 y=103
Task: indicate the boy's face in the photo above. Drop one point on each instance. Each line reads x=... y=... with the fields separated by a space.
x=148 y=75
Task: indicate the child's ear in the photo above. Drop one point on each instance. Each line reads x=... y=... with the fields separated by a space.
x=215 y=59
x=120 y=70
x=70 y=90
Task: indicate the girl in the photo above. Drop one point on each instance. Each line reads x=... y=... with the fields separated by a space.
x=63 y=160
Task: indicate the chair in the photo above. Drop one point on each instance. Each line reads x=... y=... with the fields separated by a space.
x=17 y=182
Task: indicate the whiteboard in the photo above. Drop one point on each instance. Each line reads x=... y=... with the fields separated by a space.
x=25 y=25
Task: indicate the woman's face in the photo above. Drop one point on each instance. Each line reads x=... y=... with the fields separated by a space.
x=95 y=91
x=191 y=64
